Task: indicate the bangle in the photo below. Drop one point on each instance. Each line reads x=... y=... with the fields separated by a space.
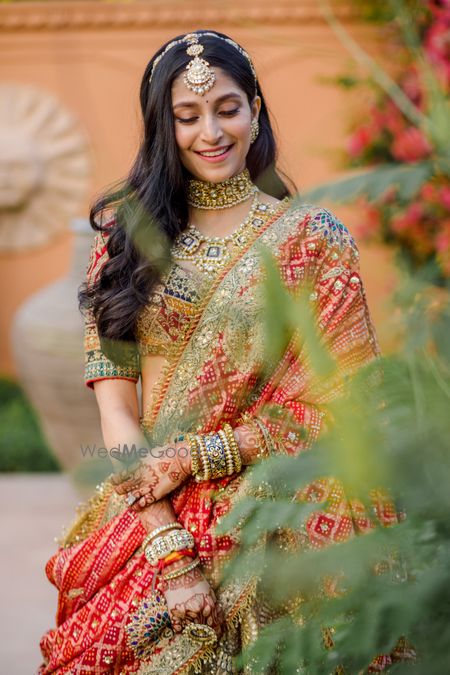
x=193 y=451
x=267 y=446
x=203 y=458
x=182 y=570
x=163 y=546
x=215 y=455
x=228 y=455
x=158 y=530
x=237 y=460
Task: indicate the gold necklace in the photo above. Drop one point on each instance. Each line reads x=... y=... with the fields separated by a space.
x=204 y=195
x=211 y=254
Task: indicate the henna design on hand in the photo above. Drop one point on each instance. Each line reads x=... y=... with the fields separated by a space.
x=189 y=611
x=163 y=466
x=126 y=481
x=183 y=460
x=248 y=441
x=188 y=580
x=145 y=498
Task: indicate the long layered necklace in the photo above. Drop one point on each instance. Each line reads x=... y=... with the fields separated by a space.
x=211 y=254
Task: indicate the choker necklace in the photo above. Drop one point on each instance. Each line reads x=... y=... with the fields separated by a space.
x=204 y=195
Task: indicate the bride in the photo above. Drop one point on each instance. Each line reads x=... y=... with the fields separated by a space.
x=173 y=297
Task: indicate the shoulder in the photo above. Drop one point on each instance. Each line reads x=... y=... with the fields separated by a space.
x=317 y=225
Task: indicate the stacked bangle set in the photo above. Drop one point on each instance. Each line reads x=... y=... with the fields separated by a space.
x=163 y=550
x=214 y=455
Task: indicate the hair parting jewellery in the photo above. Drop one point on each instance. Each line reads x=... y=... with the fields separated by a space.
x=199 y=76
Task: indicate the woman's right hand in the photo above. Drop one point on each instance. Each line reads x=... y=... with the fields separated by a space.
x=190 y=599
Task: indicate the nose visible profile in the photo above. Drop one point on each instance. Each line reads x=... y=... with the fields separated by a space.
x=211 y=131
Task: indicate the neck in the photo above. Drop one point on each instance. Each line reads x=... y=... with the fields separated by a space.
x=219 y=223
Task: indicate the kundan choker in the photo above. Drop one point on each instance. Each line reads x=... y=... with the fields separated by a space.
x=223 y=195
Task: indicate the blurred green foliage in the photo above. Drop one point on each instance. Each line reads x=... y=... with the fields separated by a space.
x=22 y=445
x=391 y=433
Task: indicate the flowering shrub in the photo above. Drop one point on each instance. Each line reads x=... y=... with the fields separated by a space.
x=419 y=225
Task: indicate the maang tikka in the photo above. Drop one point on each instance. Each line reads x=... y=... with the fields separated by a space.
x=199 y=76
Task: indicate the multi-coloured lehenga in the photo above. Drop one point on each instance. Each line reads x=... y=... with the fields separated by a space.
x=106 y=615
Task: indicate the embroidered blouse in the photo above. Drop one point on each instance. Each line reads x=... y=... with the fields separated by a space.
x=159 y=325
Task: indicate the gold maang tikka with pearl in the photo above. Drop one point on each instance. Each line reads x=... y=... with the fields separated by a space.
x=199 y=76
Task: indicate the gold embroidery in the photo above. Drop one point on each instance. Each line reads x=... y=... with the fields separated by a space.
x=165 y=320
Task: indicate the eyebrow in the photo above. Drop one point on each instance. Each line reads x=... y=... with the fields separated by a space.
x=220 y=99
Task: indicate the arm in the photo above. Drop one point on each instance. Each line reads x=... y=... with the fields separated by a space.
x=119 y=415
x=188 y=595
x=115 y=390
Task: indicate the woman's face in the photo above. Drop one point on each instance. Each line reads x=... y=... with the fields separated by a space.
x=213 y=131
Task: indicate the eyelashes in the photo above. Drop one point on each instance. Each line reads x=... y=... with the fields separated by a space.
x=224 y=113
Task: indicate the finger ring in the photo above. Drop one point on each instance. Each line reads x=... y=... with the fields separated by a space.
x=131 y=498
x=200 y=632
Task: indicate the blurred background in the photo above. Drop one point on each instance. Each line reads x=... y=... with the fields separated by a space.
x=358 y=92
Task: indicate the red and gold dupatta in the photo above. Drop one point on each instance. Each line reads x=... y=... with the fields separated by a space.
x=103 y=579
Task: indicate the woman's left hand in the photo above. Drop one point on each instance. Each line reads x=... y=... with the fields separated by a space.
x=155 y=476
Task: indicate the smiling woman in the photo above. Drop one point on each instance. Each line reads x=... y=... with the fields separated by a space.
x=213 y=133
x=174 y=296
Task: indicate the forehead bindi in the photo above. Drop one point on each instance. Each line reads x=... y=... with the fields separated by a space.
x=224 y=89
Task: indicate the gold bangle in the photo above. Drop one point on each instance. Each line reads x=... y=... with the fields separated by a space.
x=228 y=453
x=193 y=449
x=204 y=458
x=264 y=432
x=217 y=454
x=233 y=447
x=182 y=570
x=266 y=447
x=158 y=530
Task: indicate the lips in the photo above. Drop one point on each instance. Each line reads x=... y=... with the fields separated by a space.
x=214 y=152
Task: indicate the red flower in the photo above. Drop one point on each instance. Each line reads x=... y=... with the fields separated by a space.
x=437 y=46
x=444 y=196
x=359 y=141
x=408 y=219
x=410 y=145
x=428 y=192
x=393 y=119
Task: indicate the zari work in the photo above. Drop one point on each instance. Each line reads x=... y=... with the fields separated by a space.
x=100 y=570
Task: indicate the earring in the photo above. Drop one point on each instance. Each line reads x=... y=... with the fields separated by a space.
x=254 y=131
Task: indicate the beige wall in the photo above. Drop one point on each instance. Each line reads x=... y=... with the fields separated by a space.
x=91 y=56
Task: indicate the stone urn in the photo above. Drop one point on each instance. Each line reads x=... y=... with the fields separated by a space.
x=47 y=337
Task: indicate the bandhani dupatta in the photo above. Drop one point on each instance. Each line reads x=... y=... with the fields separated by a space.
x=215 y=379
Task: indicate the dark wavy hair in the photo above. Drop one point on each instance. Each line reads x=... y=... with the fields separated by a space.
x=150 y=204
